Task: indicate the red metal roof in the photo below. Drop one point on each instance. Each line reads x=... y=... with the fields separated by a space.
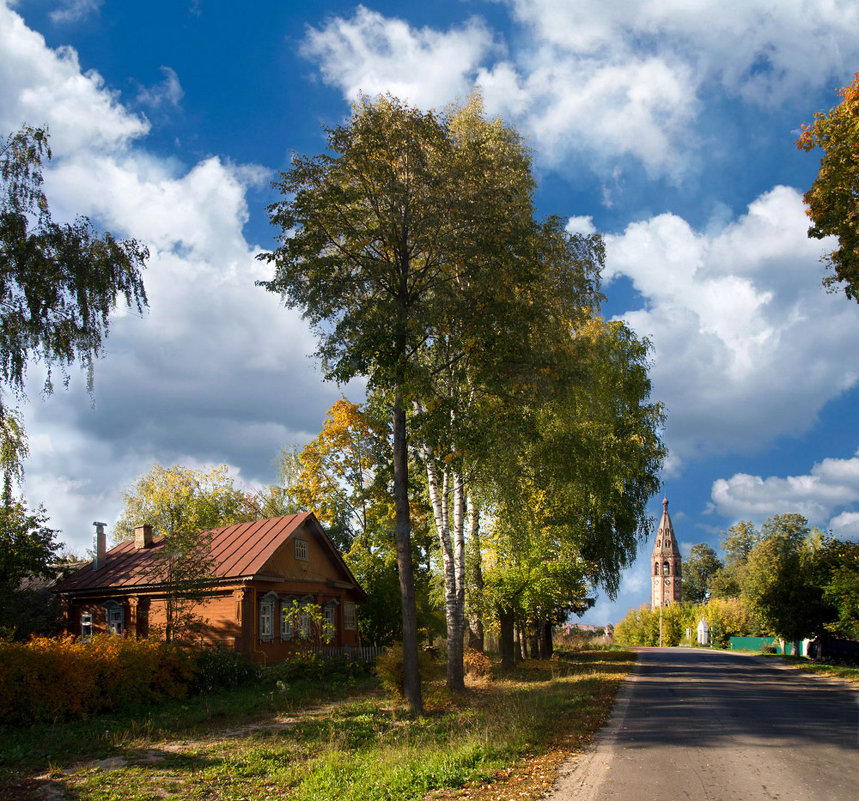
x=238 y=551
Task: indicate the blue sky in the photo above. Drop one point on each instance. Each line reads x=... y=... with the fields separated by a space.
x=666 y=125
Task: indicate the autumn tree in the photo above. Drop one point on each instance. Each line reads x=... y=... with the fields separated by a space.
x=343 y=475
x=173 y=499
x=833 y=200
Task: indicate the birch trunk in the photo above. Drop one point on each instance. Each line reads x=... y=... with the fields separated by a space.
x=453 y=610
x=475 y=617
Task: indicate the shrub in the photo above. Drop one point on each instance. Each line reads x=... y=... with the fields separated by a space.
x=475 y=663
x=389 y=668
x=768 y=649
x=56 y=678
x=219 y=668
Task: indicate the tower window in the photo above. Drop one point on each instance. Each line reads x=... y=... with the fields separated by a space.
x=666 y=569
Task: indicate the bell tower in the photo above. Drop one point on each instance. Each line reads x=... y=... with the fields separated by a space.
x=665 y=564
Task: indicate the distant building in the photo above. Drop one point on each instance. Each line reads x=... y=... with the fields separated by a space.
x=665 y=575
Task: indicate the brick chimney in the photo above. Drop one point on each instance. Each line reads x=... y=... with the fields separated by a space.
x=99 y=546
x=142 y=536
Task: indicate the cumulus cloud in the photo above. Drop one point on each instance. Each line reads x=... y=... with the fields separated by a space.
x=216 y=370
x=831 y=485
x=373 y=54
x=747 y=347
x=39 y=85
x=601 y=82
x=581 y=225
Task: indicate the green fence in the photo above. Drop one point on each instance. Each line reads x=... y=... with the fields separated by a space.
x=755 y=643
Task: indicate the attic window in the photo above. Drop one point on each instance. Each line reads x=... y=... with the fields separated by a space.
x=301 y=550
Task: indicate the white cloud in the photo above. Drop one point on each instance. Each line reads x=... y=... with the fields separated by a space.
x=39 y=85
x=831 y=485
x=600 y=82
x=747 y=345
x=581 y=225
x=373 y=54
x=216 y=370
x=167 y=93
x=75 y=10
x=846 y=525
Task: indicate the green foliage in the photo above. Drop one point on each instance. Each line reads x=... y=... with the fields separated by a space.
x=698 y=570
x=219 y=668
x=180 y=499
x=58 y=283
x=389 y=669
x=831 y=201
x=28 y=550
x=779 y=581
x=837 y=570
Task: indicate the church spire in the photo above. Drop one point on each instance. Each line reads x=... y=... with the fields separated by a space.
x=666 y=570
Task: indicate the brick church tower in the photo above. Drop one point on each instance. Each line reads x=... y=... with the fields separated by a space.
x=665 y=574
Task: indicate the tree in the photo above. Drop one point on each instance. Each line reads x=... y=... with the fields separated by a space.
x=28 y=549
x=779 y=581
x=58 y=282
x=381 y=248
x=181 y=499
x=836 y=571
x=737 y=543
x=833 y=200
x=182 y=504
x=698 y=570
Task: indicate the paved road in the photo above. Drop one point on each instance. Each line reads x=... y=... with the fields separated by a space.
x=716 y=726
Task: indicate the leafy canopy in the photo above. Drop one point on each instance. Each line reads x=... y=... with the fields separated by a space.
x=833 y=200
x=180 y=500
x=58 y=282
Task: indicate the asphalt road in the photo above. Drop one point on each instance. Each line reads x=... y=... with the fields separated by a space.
x=716 y=726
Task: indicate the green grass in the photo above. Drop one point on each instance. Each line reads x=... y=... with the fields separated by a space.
x=822 y=668
x=366 y=748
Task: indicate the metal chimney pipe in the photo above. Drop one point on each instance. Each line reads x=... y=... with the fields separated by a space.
x=99 y=546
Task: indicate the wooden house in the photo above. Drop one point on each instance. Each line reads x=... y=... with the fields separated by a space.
x=263 y=575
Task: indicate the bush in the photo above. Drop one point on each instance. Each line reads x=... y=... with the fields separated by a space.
x=53 y=679
x=310 y=667
x=475 y=663
x=389 y=669
x=218 y=668
x=768 y=649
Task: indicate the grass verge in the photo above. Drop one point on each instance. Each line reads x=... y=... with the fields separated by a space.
x=503 y=738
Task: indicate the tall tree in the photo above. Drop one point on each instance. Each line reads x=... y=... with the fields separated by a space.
x=833 y=200
x=698 y=569
x=381 y=249
x=779 y=580
x=58 y=282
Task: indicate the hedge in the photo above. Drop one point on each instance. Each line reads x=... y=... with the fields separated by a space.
x=58 y=678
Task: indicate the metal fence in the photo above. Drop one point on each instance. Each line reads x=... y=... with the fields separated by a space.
x=363 y=653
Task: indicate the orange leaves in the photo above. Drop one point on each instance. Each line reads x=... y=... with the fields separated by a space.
x=49 y=679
